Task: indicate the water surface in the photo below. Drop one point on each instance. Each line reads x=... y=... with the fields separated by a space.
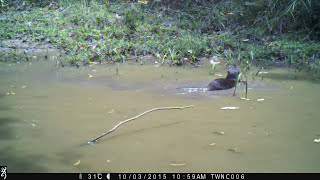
x=47 y=114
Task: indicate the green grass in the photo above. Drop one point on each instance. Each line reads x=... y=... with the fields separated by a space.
x=176 y=33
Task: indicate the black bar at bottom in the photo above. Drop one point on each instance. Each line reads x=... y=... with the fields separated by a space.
x=161 y=176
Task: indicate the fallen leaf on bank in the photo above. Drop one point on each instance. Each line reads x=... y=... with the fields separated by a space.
x=143 y=1
x=93 y=63
x=77 y=163
x=252 y=21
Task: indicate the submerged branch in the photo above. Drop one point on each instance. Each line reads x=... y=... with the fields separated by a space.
x=122 y=122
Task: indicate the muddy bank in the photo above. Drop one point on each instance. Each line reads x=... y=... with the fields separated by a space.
x=19 y=51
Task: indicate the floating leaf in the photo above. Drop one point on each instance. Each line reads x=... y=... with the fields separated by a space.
x=110 y=112
x=24 y=86
x=219 y=132
x=108 y=161
x=243 y=98
x=236 y=150
x=90 y=75
x=316 y=140
x=260 y=99
x=229 y=107
x=178 y=165
x=13 y=93
x=77 y=163
x=212 y=144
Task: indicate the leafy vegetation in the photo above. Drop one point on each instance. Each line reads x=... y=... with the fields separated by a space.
x=175 y=32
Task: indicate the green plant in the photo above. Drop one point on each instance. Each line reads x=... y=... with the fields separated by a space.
x=236 y=83
x=172 y=54
x=213 y=67
x=132 y=18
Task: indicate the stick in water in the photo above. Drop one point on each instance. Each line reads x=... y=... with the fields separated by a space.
x=122 y=122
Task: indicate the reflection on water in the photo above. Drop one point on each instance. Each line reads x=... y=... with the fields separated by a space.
x=50 y=113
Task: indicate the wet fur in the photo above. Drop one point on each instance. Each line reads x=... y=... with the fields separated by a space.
x=225 y=83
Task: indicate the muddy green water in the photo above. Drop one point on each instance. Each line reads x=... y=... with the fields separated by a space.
x=50 y=114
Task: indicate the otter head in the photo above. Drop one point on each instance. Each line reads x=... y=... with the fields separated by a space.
x=233 y=72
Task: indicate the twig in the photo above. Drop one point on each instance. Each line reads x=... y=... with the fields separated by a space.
x=122 y=122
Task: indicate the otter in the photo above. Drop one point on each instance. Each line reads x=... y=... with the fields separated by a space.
x=225 y=83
